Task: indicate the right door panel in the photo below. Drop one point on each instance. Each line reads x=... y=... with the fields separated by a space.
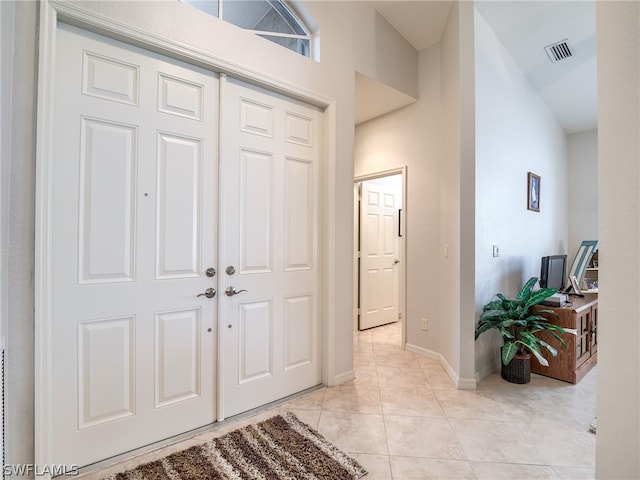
x=270 y=232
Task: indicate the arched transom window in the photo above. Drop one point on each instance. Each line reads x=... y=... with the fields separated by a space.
x=270 y=19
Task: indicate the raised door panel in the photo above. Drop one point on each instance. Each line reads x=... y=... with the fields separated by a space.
x=298 y=129
x=255 y=341
x=256 y=212
x=178 y=356
x=298 y=217
x=374 y=293
x=178 y=96
x=256 y=118
x=107 y=209
x=372 y=249
x=389 y=233
x=179 y=185
x=298 y=331
x=106 y=371
x=388 y=289
x=110 y=79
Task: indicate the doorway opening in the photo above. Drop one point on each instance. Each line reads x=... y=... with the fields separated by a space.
x=380 y=213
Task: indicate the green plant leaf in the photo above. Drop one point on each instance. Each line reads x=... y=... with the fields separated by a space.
x=487 y=314
x=525 y=291
x=529 y=339
x=552 y=329
x=509 y=350
x=540 y=296
x=483 y=327
x=495 y=305
x=552 y=350
x=541 y=359
x=506 y=333
x=538 y=318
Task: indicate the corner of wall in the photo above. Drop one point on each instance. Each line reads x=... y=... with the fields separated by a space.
x=383 y=54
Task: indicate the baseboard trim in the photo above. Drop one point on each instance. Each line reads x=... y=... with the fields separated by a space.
x=343 y=378
x=460 y=383
x=485 y=372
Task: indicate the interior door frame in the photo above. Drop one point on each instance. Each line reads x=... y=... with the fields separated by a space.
x=402 y=275
x=53 y=11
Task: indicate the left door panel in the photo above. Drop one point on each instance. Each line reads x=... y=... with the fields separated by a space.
x=133 y=218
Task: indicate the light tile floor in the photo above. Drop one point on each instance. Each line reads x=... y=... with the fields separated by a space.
x=403 y=419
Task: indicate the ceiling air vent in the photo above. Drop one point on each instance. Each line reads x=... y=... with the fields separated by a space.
x=558 y=51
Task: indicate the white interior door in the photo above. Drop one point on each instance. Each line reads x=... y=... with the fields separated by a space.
x=270 y=230
x=379 y=257
x=133 y=215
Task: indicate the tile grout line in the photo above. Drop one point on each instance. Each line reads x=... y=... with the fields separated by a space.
x=384 y=418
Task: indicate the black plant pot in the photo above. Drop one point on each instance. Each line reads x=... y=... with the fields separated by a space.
x=518 y=370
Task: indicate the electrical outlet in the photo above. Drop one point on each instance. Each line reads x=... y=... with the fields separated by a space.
x=425 y=324
x=496 y=251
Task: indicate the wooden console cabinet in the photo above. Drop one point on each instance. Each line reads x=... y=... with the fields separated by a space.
x=580 y=354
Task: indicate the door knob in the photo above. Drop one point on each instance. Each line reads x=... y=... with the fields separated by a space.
x=396 y=261
x=231 y=291
x=209 y=293
x=211 y=272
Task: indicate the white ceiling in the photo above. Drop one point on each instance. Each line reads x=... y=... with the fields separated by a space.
x=525 y=28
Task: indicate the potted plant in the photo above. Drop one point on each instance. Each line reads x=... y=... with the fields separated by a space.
x=518 y=326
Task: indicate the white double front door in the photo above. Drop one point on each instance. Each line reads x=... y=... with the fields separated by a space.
x=143 y=210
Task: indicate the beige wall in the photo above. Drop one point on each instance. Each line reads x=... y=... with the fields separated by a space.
x=392 y=60
x=618 y=439
x=582 y=173
x=20 y=167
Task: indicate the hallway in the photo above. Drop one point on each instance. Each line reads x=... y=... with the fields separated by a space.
x=402 y=419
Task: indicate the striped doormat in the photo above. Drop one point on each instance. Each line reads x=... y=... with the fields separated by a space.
x=281 y=448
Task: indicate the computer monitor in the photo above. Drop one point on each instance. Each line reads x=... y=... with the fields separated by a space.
x=553 y=272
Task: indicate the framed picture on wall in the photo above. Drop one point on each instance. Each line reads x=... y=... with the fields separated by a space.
x=533 y=192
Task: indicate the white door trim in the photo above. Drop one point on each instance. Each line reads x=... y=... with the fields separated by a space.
x=52 y=11
x=402 y=287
